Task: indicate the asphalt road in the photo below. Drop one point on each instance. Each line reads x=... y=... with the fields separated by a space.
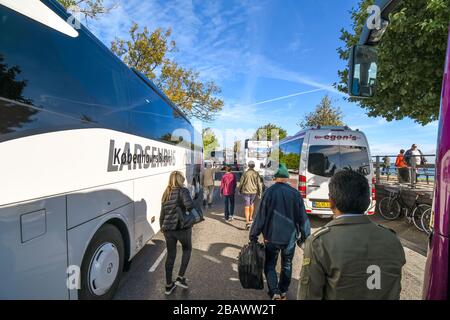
x=212 y=272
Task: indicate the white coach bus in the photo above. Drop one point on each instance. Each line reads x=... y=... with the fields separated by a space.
x=314 y=155
x=259 y=153
x=86 y=149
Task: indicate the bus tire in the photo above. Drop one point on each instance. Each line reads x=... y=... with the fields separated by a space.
x=102 y=264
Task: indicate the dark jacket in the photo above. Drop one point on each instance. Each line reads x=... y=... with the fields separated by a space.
x=408 y=156
x=169 y=218
x=280 y=215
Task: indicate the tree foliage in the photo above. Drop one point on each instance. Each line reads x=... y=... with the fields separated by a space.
x=90 y=9
x=149 y=53
x=324 y=115
x=210 y=142
x=264 y=133
x=410 y=63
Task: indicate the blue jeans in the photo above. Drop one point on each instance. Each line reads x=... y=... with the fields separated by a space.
x=287 y=254
x=229 y=206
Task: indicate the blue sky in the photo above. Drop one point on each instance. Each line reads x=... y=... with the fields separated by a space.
x=273 y=59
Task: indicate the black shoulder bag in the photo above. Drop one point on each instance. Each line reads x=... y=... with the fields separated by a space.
x=190 y=217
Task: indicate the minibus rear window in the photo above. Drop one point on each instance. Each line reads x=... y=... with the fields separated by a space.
x=355 y=158
x=326 y=160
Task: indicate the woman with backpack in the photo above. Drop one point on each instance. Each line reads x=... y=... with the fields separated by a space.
x=176 y=200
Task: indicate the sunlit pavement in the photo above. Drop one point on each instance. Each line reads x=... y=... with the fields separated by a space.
x=212 y=271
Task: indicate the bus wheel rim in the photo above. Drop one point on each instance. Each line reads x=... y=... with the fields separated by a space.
x=103 y=268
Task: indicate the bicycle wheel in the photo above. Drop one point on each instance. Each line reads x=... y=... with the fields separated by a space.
x=417 y=215
x=389 y=208
x=425 y=221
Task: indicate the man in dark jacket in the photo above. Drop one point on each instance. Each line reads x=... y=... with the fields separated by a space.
x=282 y=220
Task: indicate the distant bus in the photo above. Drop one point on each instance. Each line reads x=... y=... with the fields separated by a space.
x=86 y=149
x=259 y=153
x=314 y=155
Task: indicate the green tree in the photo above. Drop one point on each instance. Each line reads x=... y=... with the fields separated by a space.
x=90 y=9
x=210 y=142
x=265 y=132
x=410 y=63
x=324 y=115
x=149 y=52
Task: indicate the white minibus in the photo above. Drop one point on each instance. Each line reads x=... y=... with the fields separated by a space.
x=314 y=155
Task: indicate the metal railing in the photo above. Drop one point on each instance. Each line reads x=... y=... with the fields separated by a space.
x=428 y=169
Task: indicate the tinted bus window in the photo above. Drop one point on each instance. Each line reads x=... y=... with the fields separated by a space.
x=153 y=118
x=290 y=154
x=326 y=160
x=77 y=78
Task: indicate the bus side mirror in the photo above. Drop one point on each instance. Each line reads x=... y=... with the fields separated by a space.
x=362 y=71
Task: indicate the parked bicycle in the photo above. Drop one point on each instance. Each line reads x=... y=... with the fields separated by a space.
x=426 y=221
x=392 y=206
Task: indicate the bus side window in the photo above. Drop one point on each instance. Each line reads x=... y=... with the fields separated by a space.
x=290 y=154
x=77 y=77
x=153 y=118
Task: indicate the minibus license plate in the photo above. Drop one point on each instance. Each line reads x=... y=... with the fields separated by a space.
x=321 y=205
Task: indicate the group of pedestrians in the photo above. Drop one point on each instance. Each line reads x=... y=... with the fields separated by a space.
x=406 y=160
x=350 y=258
x=250 y=187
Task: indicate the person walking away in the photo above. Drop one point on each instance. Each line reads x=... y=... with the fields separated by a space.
x=227 y=191
x=386 y=165
x=402 y=167
x=351 y=258
x=283 y=222
x=250 y=186
x=208 y=185
x=176 y=199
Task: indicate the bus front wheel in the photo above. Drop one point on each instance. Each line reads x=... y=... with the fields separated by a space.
x=102 y=264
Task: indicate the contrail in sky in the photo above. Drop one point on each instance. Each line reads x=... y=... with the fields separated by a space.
x=285 y=97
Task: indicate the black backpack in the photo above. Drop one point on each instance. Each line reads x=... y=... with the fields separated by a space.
x=251 y=265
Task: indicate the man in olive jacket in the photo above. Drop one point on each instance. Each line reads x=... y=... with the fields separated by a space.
x=250 y=186
x=351 y=257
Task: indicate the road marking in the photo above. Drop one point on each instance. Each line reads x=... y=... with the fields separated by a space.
x=211 y=259
x=158 y=261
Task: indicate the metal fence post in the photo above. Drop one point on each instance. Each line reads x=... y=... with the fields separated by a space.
x=413 y=172
x=378 y=169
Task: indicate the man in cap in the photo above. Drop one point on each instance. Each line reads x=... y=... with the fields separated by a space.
x=283 y=222
x=250 y=186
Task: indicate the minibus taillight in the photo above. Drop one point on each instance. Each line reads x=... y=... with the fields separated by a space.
x=374 y=190
x=302 y=185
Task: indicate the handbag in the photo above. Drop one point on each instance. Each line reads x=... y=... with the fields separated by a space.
x=190 y=217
